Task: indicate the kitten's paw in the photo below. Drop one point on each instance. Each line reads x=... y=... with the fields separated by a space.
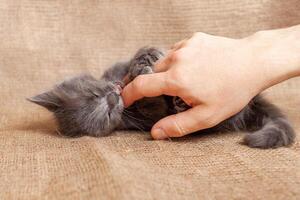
x=143 y=62
x=147 y=56
x=138 y=70
x=146 y=70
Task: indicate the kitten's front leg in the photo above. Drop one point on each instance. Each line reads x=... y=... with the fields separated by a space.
x=143 y=62
x=117 y=72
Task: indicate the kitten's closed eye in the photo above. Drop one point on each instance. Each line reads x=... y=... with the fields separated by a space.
x=95 y=94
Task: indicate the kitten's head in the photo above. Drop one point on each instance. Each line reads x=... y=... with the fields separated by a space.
x=84 y=106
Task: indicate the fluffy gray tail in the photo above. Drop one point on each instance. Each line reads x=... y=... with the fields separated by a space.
x=275 y=131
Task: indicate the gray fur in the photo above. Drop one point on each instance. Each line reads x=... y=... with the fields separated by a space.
x=87 y=106
x=84 y=106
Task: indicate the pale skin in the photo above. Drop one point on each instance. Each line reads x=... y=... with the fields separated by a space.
x=217 y=76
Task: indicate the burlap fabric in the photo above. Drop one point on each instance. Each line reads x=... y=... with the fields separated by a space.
x=44 y=41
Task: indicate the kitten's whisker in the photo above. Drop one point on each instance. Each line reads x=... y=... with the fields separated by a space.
x=136 y=126
x=128 y=114
x=143 y=116
x=132 y=122
x=128 y=111
x=140 y=120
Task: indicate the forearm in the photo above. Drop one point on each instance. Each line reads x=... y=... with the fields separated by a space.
x=277 y=54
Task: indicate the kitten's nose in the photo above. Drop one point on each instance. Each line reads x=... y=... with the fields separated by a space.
x=112 y=99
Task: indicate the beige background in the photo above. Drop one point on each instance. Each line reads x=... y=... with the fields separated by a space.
x=45 y=41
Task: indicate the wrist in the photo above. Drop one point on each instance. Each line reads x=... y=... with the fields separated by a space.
x=275 y=55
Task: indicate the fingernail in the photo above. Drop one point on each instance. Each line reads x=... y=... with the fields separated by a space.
x=159 y=134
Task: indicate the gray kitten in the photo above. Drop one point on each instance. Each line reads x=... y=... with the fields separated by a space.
x=86 y=106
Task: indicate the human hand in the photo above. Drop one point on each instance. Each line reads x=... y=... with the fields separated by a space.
x=216 y=76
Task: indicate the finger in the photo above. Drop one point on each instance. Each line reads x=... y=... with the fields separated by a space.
x=148 y=85
x=178 y=45
x=178 y=125
x=164 y=64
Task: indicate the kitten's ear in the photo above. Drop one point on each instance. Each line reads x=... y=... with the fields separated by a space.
x=48 y=100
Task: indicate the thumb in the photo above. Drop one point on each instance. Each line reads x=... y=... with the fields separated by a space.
x=184 y=123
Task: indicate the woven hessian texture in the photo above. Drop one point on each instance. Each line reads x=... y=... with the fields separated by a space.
x=44 y=41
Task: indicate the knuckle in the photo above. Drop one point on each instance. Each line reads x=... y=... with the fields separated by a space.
x=199 y=35
x=182 y=43
x=175 y=81
x=174 y=57
x=260 y=33
x=179 y=129
x=179 y=55
x=200 y=39
x=138 y=84
x=209 y=121
x=179 y=44
x=180 y=79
